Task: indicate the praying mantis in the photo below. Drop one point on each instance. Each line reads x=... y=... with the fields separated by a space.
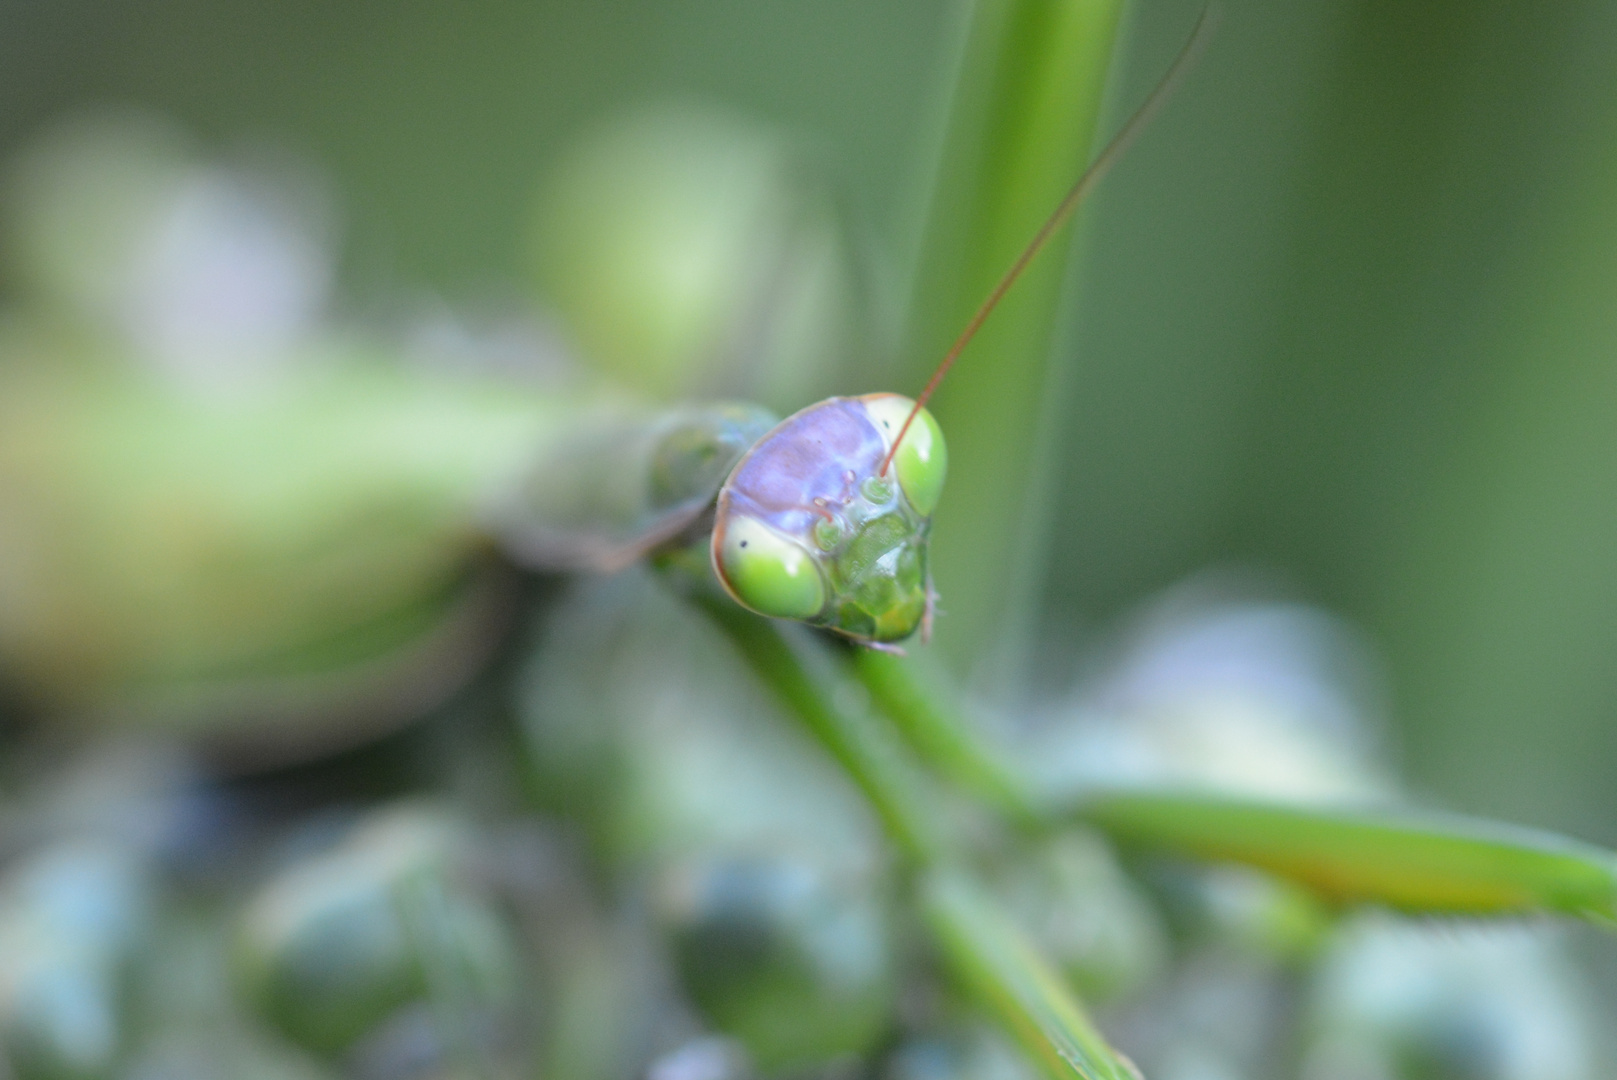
x=821 y=519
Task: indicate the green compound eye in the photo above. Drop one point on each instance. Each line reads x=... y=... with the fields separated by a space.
x=768 y=573
x=922 y=460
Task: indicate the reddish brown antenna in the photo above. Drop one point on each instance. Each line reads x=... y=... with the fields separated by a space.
x=1091 y=176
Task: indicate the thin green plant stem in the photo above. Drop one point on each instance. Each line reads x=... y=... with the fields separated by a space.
x=993 y=959
x=793 y=663
x=985 y=951
x=943 y=736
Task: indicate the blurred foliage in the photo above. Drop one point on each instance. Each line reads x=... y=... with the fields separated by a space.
x=1344 y=314
x=690 y=254
x=1308 y=340
x=1304 y=336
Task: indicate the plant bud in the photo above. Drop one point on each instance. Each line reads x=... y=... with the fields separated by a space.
x=644 y=725
x=687 y=257
x=789 y=959
x=343 y=941
x=1397 y=1000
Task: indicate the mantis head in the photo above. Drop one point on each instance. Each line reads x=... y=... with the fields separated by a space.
x=815 y=525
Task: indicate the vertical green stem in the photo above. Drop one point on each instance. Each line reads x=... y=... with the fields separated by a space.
x=1023 y=121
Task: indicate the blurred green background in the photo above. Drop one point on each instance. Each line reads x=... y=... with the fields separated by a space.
x=1348 y=313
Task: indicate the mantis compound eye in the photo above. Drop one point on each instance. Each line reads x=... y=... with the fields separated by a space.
x=769 y=573
x=922 y=460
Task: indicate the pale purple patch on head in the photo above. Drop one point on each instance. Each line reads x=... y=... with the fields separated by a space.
x=809 y=456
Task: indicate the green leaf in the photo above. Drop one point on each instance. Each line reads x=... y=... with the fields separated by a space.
x=1416 y=861
x=1024 y=116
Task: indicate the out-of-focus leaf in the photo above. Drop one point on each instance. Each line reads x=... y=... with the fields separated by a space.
x=1025 y=112
x=1408 y=1001
x=690 y=253
x=1415 y=861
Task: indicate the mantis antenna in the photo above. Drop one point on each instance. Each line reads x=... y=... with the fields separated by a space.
x=1063 y=211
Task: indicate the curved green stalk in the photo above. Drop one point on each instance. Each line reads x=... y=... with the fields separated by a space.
x=937 y=731
x=802 y=673
x=993 y=958
x=985 y=951
x=1417 y=861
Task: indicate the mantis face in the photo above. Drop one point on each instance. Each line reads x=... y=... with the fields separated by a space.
x=808 y=528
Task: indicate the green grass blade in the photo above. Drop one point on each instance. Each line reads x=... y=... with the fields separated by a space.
x=1023 y=122
x=1416 y=861
x=999 y=966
